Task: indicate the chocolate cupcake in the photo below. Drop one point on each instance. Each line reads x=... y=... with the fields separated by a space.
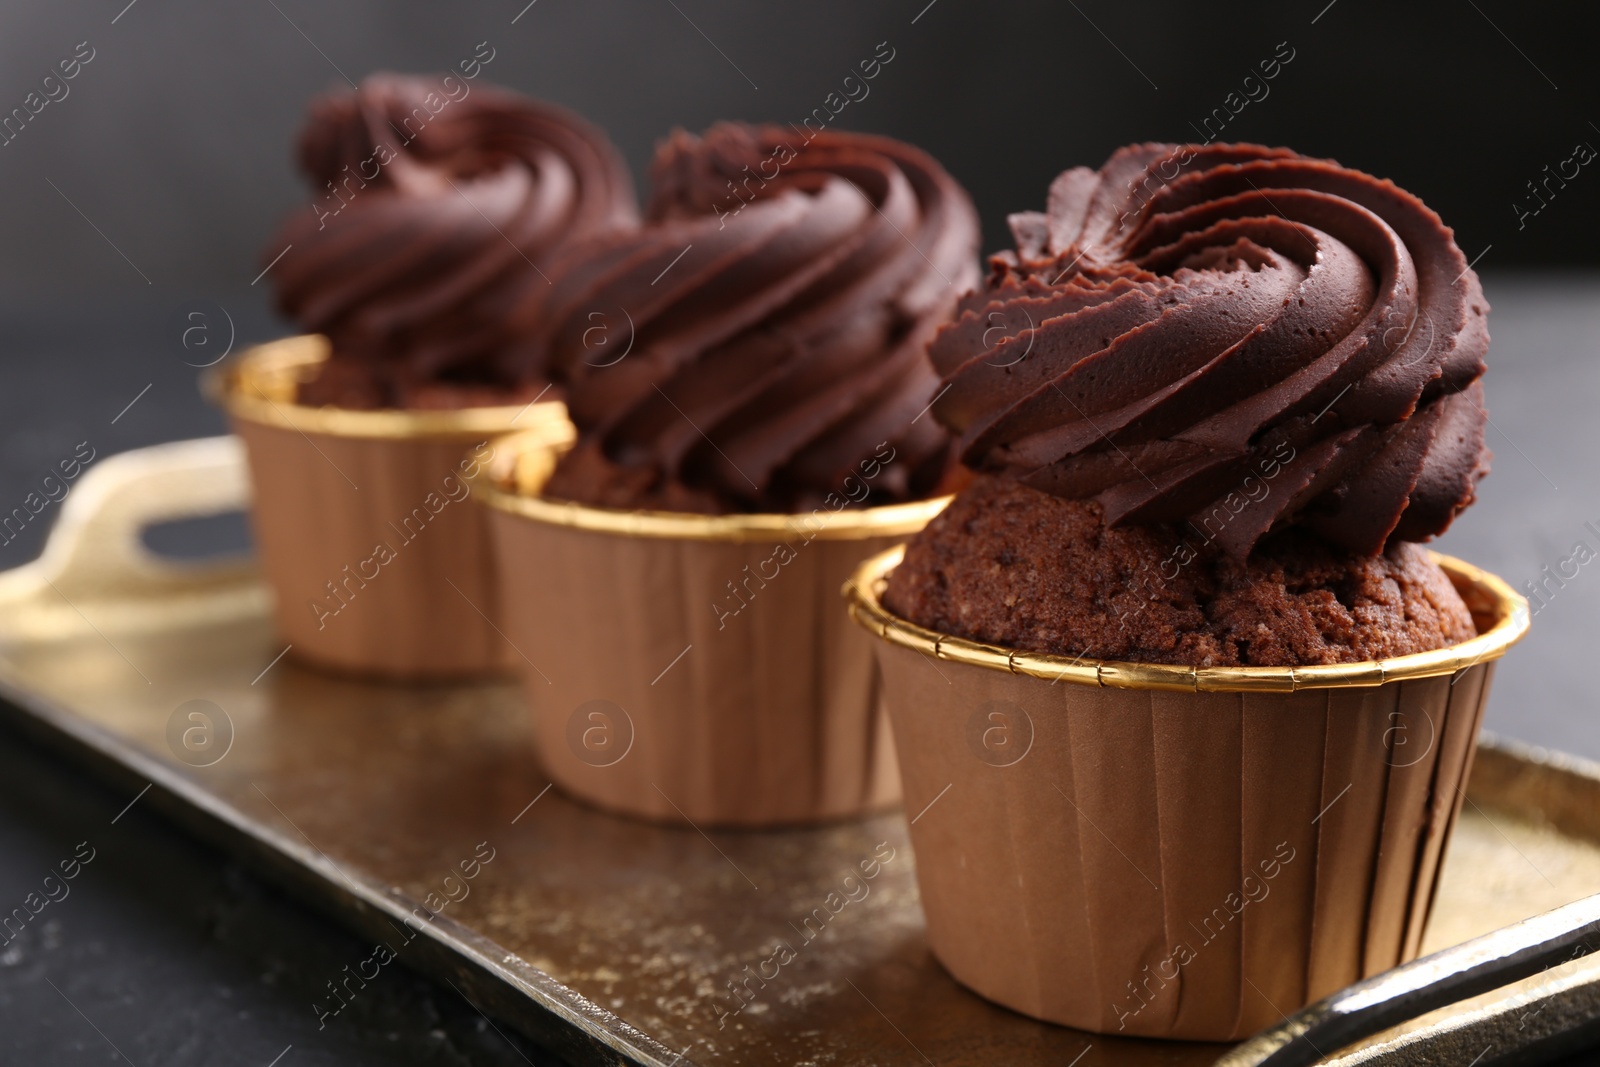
x=749 y=379
x=438 y=206
x=1010 y=565
x=779 y=326
x=1214 y=398
x=437 y=214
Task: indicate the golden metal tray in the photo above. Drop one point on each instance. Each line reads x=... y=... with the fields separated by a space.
x=419 y=816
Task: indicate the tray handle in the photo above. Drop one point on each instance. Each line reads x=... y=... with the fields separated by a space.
x=95 y=557
x=1485 y=963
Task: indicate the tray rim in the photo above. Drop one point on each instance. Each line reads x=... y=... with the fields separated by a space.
x=446 y=949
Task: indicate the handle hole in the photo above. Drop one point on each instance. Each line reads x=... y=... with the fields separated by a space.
x=198 y=540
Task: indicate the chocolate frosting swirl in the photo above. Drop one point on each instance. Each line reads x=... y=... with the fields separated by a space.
x=1237 y=336
x=760 y=343
x=440 y=205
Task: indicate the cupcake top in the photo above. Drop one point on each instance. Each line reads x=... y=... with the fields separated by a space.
x=1238 y=338
x=760 y=343
x=1012 y=566
x=439 y=205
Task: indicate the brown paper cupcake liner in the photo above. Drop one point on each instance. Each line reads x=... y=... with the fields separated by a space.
x=378 y=561
x=692 y=668
x=1165 y=852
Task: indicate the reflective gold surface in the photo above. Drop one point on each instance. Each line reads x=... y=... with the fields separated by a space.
x=360 y=784
x=1501 y=614
x=612 y=940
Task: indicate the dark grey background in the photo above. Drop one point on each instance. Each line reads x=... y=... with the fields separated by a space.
x=170 y=167
x=174 y=140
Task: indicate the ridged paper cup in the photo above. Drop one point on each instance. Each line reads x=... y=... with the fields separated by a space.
x=378 y=561
x=1170 y=852
x=694 y=668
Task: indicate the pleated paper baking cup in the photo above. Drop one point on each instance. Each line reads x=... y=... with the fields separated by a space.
x=378 y=561
x=693 y=668
x=1170 y=852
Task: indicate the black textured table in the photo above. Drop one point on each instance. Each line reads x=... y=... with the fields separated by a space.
x=166 y=952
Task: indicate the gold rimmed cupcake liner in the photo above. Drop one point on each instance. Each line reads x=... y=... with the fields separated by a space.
x=520 y=474
x=692 y=668
x=378 y=559
x=1491 y=601
x=1178 y=854
x=262 y=384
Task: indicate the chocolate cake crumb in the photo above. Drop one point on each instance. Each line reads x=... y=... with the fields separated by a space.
x=1010 y=565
